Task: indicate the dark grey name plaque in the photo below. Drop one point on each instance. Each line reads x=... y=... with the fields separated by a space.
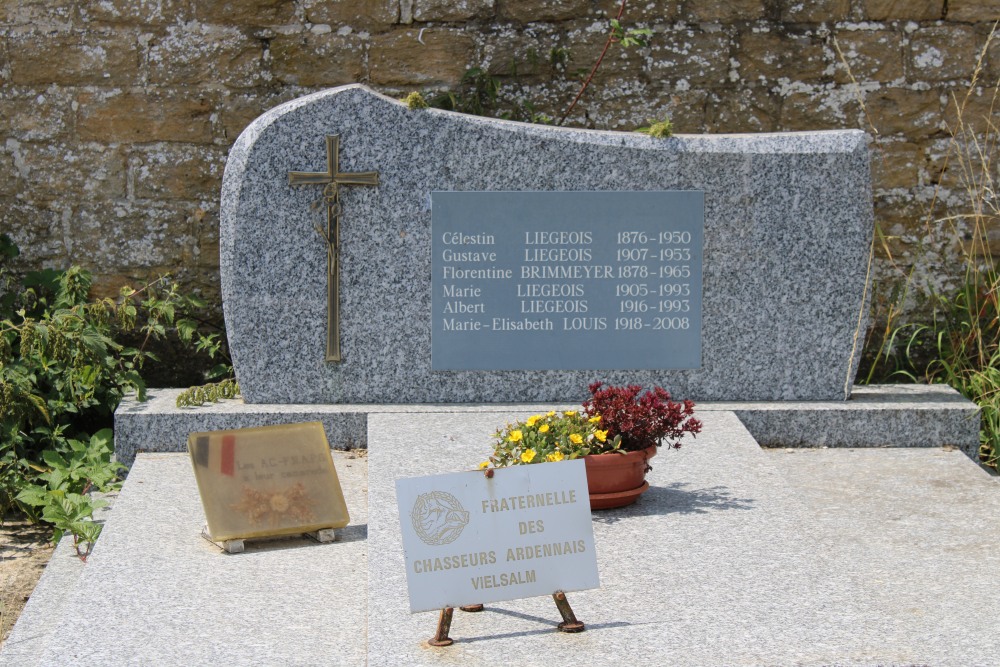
x=566 y=280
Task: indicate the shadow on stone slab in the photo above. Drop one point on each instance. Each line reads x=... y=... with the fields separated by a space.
x=675 y=499
x=353 y=533
x=505 y=635
x=347 y=534
x=552 y=623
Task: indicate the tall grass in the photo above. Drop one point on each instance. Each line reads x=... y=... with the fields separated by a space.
x=958 y=340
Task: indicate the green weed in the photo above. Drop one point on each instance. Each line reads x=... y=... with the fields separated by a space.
x=64 y=368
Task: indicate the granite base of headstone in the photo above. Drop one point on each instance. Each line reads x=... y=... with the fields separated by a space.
x=874 y=416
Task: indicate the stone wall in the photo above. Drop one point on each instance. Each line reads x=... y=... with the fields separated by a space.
x=116 y=115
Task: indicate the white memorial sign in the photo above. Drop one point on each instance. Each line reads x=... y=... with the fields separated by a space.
x=471 y=539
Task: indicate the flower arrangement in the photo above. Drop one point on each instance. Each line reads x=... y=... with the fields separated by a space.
x=615 y=419
x=641 y=419
x=551 y=437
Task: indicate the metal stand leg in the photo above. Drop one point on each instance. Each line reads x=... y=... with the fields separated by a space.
x=441 y=638
x=569 y=624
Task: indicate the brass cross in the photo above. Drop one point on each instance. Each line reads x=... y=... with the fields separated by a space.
x=332 y=178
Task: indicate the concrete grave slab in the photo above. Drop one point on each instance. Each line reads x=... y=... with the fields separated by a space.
x=721 y=562
x=922 y=527
x=158 y=593
x=736 y=556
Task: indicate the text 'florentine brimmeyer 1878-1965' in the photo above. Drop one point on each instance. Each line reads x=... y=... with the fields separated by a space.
x=540 y=280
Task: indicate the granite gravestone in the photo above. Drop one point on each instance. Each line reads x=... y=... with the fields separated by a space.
x=267 y=481
x=787 y=224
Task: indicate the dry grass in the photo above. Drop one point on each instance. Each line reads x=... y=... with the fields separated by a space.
x=957 y=340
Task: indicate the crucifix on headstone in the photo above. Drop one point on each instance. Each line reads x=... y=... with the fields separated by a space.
x=332 y=178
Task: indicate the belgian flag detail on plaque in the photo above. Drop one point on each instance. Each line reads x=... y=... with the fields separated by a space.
x=267 y=481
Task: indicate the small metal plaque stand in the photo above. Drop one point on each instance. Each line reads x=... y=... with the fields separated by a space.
x=322 y=535
x=569 y=624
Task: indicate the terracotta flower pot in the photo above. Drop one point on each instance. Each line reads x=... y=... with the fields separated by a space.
x=617 y=480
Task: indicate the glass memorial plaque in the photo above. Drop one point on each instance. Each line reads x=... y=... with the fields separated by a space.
x=566 y=280
x=267 y=481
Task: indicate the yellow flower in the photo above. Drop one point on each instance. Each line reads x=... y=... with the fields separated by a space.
x=515 y=436
x=570 y=413
x=594 y=419
x=484 y=465
x=528 y=455
x=531 y=420
x=555 y=456
x=550 y=413
x=575 y=438
x=601 y=435
x=544 y=428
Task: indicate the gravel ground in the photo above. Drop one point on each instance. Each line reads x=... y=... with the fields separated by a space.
x=24 y=551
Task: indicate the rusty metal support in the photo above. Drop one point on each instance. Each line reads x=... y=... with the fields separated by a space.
x=570 y=623
x=441 y=638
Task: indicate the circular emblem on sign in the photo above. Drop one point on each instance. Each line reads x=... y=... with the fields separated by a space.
x=438 y=518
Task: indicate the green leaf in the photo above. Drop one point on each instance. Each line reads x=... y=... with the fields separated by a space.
x=47 y=280
x=97 y=343
x=196 y=301
x=54 y=459
x=133 y=379
x=166 y=309
x=76 y=445
x=87 y=531
x=186 y=329
x=219 y=371
x=103 y=438
x=33 y=495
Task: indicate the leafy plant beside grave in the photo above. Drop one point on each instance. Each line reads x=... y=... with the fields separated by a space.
x=617 y=34
x=66 y=361
x=957 y=344
x=61 y=492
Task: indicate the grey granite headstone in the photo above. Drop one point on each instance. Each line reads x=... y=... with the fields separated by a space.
x=787 y=229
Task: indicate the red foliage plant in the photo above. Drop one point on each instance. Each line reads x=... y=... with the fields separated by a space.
x=641 y=419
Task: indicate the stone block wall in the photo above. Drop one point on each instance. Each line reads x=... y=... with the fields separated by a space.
x=116 y=115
